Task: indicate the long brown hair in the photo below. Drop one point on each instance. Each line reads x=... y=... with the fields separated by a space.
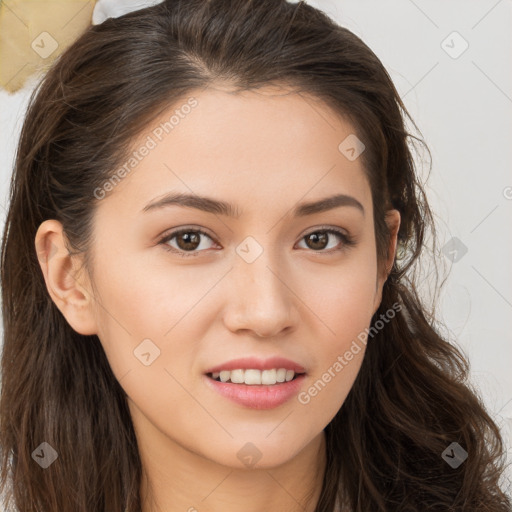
x=411 y=398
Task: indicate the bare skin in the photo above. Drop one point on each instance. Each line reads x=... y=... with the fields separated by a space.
x=265 y=152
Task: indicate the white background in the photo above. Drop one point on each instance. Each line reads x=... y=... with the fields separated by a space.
x=463 y=107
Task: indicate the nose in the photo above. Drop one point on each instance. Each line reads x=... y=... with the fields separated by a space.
x=261 y=299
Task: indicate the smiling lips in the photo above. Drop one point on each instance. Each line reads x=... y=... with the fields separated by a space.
x=253 y=376
x=253 y=371
x=256 y=383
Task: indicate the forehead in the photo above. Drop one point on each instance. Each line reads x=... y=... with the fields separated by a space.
x=265 y=147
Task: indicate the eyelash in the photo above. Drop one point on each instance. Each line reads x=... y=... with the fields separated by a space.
x=347 y=240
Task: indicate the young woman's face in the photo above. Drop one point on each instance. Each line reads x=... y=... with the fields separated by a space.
x=269 y=278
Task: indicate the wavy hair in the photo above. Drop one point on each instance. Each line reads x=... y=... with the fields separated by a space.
x=412 y=397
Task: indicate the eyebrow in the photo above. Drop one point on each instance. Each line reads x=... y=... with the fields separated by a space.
x=210 y=205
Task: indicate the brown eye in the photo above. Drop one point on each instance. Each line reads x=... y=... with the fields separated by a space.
x=191 y=242
x=319 y=240
x=187 y=241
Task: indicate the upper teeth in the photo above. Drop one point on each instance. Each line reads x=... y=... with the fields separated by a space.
x=255 y=376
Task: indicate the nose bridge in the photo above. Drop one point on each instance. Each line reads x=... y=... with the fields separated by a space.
x=261 y=300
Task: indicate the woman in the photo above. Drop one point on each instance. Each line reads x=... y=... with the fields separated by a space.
x=207 y=295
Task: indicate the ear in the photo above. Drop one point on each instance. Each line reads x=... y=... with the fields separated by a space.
x=393 y=223
x=67 y=284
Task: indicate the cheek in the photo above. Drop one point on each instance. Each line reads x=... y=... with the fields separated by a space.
x=130 y=312
x=345 y=310
x=149 y=317
x=342 y=298
x=338 y=359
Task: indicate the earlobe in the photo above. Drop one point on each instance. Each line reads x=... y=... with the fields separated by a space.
x=68 y=288
x=393 y=223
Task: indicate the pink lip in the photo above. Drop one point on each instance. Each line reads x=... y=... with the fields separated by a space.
x=258 y=397
x=253 y=363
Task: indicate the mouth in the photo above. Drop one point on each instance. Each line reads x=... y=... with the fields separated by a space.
x=256 y=389
x=254 y=377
